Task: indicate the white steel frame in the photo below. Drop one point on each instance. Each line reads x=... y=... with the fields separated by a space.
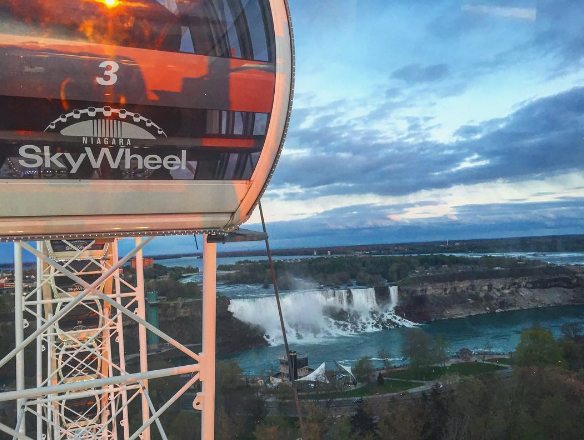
x=37 y=317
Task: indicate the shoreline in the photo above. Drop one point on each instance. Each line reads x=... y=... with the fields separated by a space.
x=501 y=312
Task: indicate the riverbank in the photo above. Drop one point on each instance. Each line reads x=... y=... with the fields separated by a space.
x=426 y=300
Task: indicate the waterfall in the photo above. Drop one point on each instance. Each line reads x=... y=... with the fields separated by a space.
x=393 y=297
x=312 y=315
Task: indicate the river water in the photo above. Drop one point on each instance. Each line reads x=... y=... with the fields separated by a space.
x=493 y=332
x=343 y=326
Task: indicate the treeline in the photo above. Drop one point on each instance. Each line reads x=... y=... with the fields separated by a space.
x=173 y=289
x=543 y=398
x=552 y=243
x=536 y=403
x=175 y=273
x=166 y=281
x=489 y=273
x=371 y=271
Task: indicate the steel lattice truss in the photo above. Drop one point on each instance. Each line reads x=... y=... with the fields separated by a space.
x=77 y=316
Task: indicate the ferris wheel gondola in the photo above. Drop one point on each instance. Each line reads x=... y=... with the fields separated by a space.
x=130 y=117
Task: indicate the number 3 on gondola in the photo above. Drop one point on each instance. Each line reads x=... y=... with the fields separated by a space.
x=109 y=77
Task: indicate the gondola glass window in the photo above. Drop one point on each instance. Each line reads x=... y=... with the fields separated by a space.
x=139 y=90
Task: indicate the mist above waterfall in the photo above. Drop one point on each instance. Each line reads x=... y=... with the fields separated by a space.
x=311 y=315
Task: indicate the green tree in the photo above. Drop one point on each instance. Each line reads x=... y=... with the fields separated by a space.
x=384 y=356
x=184 y=425
x=277 y=428
x=228 y=376
x=551 y=403
x=227 y=427
x=437 y=413
x=572 y=330
x=476 y=410
x=573 y=352
x=173 y=289
x=538 y=347
x=419 y=348
x=397 y=271
x=557 y=418
x=403 y=420
x=267 y=432
x=340 y=429
x=441 y=350
x=316 y=421
x=363 y=369
x=487 y=349
x=362 y=422
x=380 y=379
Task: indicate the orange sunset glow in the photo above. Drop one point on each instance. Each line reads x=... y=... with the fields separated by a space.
x=111 y=3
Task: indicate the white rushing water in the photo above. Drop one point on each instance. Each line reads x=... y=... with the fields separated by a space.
x=312 y=315
x=393 y=296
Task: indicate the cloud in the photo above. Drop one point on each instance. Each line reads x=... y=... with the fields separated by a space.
x=545 y=35
x=415 y=73
x=544 y=137
x=440 y=202
x=491 y=220
x=529 y=14
x=470 y=162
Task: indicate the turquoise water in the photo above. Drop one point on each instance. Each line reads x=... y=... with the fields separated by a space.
x=496 y=332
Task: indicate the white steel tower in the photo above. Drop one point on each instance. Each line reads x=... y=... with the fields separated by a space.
x=78 y=317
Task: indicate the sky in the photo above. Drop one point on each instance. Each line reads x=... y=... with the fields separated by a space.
x=417 y=120
x=431 y=120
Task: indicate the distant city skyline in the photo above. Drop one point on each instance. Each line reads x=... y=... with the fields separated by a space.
x=428 y=120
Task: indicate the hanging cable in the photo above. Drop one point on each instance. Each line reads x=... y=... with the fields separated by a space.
x=286 y=346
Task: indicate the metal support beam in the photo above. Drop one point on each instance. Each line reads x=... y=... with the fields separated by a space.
x=19 y=335
x=98 y=383
x=39 y=341
x=121 y=345
x=158 y=424
x=209 y=338
x=13 y=433
x=141 y=312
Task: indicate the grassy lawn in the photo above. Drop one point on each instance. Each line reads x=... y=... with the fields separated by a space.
x=433 y=373
x=389 y=386
x=501 y=360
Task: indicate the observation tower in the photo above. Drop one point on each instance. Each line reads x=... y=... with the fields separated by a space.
x=125 y=119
